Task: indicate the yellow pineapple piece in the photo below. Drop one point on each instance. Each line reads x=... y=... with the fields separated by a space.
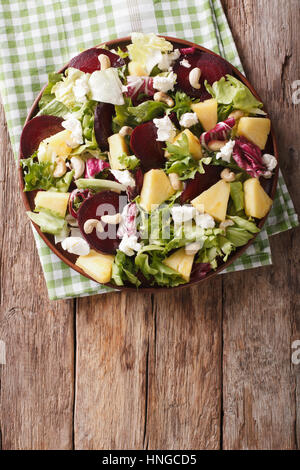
x=180 y=262
x=207 y=113
x=135 y=69
x=194 y=143
x=214 y=200
x=52 y=201
x=255 y=129
x=96 y=265
x=117 y=146
x=257 y=201
x=55 y=146
x=156 y=189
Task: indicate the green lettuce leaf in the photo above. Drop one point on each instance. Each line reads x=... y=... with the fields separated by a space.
x=47 y=222
x=180 y=160
x=245 y=224
x=238 y=236
x=237 y=195
x=231 y=91
x=147 y=111
x=130 y=162
x=124 y=270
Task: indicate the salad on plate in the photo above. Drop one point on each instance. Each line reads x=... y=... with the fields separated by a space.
x=148 y=164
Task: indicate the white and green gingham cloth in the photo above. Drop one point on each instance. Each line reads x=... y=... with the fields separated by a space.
x=40 y=36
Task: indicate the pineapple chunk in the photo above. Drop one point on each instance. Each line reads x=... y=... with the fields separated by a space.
x=181 y=263
x=214 y=200
x=55 y=203
x=194 y=143
x=135 y=69
x=255 y=129
x=156 y=189
x=55 y=146
x=207 y=113
x=96 y=265
x=117 y=146
x=257 y=202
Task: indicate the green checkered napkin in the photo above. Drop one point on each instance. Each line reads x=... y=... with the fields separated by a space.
x=39 y=36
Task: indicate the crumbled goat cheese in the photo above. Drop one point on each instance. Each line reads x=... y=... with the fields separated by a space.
x=74 y=126
x=124 y=177
x=188 y=119
x=165 y=129
x=165 y=83
x=204 y=221
x=129 y=245
x=182 y=214
x=81 y=88
x=167 y=60
x=226 y=151
x=185 y=63
x=76 y=245
x=270 y=161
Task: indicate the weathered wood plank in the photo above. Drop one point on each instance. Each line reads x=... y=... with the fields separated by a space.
x=184 y=398
x=37 y=380
x=113 y=334
x=261 y=307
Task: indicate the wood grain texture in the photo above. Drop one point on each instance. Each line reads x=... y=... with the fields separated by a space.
x=37 y=380
x=113 y=333
x=261 y=307
x=184 y=398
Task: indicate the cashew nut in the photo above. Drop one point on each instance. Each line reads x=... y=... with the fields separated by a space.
x=194 y=77
x=71 y=221
x=175 y=182
x=192 y=248
x=112 y=219
x=228 y=175
x=104 y=61
x=216 y=145
x=237 y=114
x=90 y=224
x=125 y=130
x=164 y=98
x=60 y=168
x=78 y=165
x=226 y=223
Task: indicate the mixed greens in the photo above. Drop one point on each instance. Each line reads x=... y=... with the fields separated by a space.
x=148 y=163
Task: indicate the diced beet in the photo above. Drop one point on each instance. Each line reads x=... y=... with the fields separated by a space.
x=145 y=146
x=102 y=124
x=212 y=69
x=199 y=271
x=105 y=202
x=88 y=60
x=139 y=179
x=200 y=183
x=36 y=130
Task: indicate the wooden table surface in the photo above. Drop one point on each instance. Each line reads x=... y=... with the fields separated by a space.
x=207 y=367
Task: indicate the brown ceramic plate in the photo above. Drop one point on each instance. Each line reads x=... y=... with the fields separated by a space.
x=269 y=185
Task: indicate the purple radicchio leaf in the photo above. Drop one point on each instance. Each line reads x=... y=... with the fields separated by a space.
x=220 y=132
x=94 y=166
x=248 y=157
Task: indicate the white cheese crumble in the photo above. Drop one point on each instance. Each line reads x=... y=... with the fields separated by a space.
x=167 y=59
x=165 y=84
x=182 y=214
x=81 y=88
x=226 y=151
x=124 y=177
x=204 y=221
x=74 y=126
x=185 y=63
x=270 y=161
x=76 y=245
x=188 y=119
x=129 y=245
x=165 y=129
